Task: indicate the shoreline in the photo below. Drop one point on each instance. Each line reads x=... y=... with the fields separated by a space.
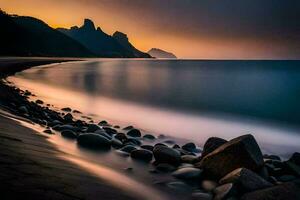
x=31 y=167
x=41 y=114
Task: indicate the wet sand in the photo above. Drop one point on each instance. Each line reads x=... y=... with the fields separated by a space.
x=32 y=168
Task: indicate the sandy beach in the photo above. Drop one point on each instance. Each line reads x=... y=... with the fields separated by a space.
x=32 y=168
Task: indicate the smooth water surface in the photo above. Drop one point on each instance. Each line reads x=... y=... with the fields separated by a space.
x=189 y=99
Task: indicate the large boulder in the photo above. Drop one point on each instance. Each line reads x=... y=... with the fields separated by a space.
x=94 y=141
x=211 y=144
x=245 y=180
x=164 y=154
x=141 y=154
x=240 y=152
x=290 y=191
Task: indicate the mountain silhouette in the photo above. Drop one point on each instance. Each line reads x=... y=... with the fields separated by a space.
x=101 y=43
x=158 y=53
x=28 y=36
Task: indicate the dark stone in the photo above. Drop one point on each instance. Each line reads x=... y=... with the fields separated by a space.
x=128 y=148
x=191 y=147
x=128 y=128
x=272 y=157
x=187 y=173
x=189 y=159
x=68 y=117
x=23 y=109
x=211 y=144
x=208 y=185
x=103 y=123
x=149 y=137
x=240 y=152
x=65 y=127
x=164 y=167
x=148 y=147
x=141 y=154
x=76 y=111
x=93 y=128
x=293 y=168
x=48 y=131
x=176 y=146
x=116 y=143
x=201 y=196
x=163 y=154
x=69 y=134
x=66 y=109
x=134 y=133
x=285 y=191
x=295 y=158
x=245 y=180
x=94 y=141
x=223 y=191
x=121 y=136
x=103 y=133
x=286 y=178
x=110 y=131
x=134 y=141
x=39 y=101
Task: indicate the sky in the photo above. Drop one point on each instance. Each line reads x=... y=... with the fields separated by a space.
x=206 y=29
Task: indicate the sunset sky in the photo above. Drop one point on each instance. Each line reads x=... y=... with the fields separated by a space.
x=214 y=29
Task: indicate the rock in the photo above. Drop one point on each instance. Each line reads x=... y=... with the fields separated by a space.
x=161 y=136
x=134 y=133
x=48 y=131
x=69 y=134
x=160 y=144
x=67 y=127
x=94 y=141
x=179 y=186
x=240 y=152
x=93 y=128
x=292 y=167
x=187 y=173
x=77 y=112
x=110 y=131
x=290 y=191
x=189 y=159
x=23 y=109
x=223 y=191
x=176 y=146
x=141 y=154
x=128 y=148
x=66 y=109
x=245 y=180
x=149 y=137
x=148 y=147
x=211 y=144
x=103 y=133
x=134 y=141
x=169 y=142
x=103 y=123
x=209 y=185
x=272 y=157
x=164 y=167
x=295 y=158
x=121 y=136
x=201 y=196
x=128 y=128
x=116 y=143
x=163 y=154
x=39 y=101
x=286 y=178
x=68 y=117
x=189 y=147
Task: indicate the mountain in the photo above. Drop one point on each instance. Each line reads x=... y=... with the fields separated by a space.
x=158 y=53
x=28 y=36
x=101 y=43
x=124 y=41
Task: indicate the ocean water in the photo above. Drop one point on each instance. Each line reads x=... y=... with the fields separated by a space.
x=185 y=99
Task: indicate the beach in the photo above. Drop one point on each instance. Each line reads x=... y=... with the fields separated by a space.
x=31 y=167
x=121 y=161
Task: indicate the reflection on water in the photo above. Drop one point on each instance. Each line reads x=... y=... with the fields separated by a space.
x=170 y=97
